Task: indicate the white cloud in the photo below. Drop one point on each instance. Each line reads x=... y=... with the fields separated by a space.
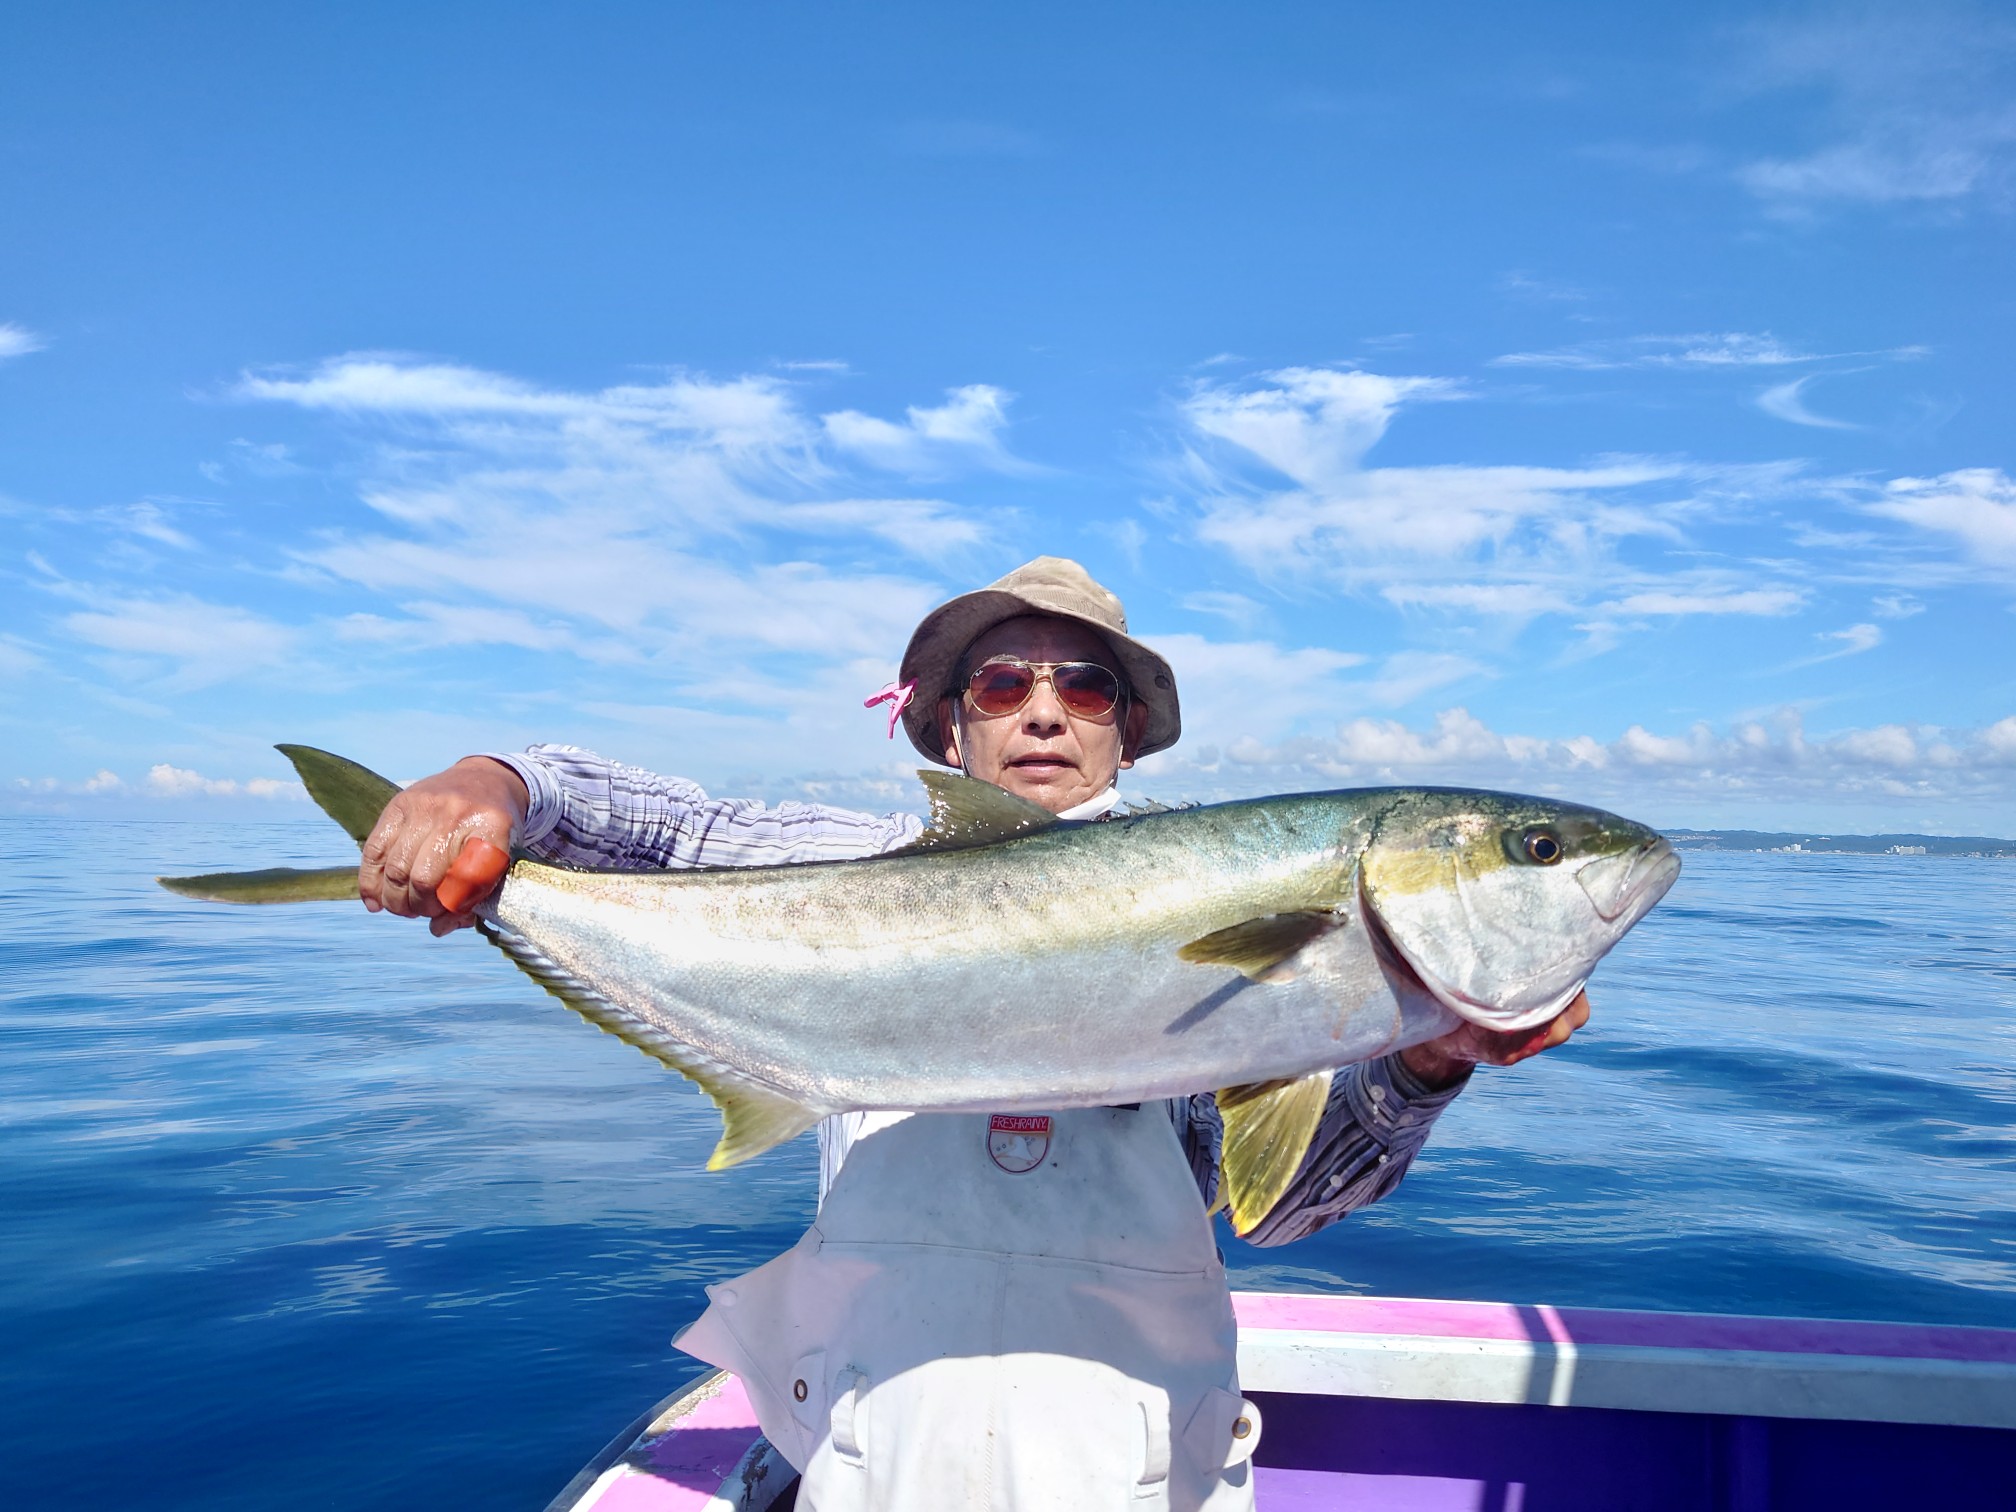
x=1236 y=609
x=206 y=643
x=1916 y=100
x=1743 y=601
x=1514 y=601
x=166 y=781
x=1852 y=641
x=963 y=431
x=1699 y=774
x=17 y=659
x=1255 y=684
x=1310 y=424
x=688 y=518
x=1782 y=401
x=1505 y=542
x=17 y=341
x=1975 y=506
x=1725 y=349
x=1896 y=606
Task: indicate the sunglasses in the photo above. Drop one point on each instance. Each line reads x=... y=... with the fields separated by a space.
x=1085 y=689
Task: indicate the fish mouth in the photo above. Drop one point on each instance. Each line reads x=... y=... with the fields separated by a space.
x=1630 y=883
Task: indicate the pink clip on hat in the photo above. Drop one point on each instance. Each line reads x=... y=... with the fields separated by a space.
x=1048 y=585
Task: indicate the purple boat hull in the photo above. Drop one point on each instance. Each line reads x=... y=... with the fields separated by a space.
x=1394 y=1405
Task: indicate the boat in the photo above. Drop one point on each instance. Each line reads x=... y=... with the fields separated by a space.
x=1385 y=1404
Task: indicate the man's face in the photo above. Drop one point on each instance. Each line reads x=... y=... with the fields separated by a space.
x=1042 y=751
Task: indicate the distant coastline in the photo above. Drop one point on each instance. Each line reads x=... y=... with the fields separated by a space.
x=1804 y=843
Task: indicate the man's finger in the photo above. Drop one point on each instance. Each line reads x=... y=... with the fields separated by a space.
x=371 y=870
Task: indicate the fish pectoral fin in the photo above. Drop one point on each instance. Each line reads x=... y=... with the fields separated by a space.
x=1269 y=1127
x=754 y=1117
x=276 y=884
x=354 y=796
x=1260 y=947
x=966 y=812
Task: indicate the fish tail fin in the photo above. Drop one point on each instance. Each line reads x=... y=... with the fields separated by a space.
x=352 y=795
x=275 y=884
x=754 y=1117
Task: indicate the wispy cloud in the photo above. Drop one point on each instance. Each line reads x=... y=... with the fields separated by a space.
x=177 y=640
x=1975 y=507
x=1916 y=100
x=17 y=341
x=1852 y=641
x=1503 y=542
x=1710 y=350
x=964 y=431
x=674 y=516
x=1782 y=401
x=1313 y=425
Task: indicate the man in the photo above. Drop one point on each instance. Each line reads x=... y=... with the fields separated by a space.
x=1005 y=1311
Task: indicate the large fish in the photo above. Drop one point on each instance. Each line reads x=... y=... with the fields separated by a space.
x=1012 y=961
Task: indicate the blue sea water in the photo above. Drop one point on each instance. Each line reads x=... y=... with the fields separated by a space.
x=300 y=1207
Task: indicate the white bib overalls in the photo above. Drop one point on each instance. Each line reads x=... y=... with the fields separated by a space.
x=999 y=1314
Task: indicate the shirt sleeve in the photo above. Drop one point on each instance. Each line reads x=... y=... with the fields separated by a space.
x=1378 y=1118
x=587 y=810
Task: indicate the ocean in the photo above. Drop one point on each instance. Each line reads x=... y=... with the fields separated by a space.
x=304 y=1208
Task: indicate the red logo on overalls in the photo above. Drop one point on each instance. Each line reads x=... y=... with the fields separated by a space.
x=1017 y=1142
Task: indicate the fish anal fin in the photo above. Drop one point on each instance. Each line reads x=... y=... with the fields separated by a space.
x=754 y=1117
x=276 y=884
x=1269 y=1127
x=354 y=796
x=1261 y=947
x=966 y=812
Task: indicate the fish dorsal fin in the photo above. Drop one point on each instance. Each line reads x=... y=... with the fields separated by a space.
x=966 y=812
x=1261 y=947
x=753 y=1117
x=354 y=796
x=276 y=884
x=1268 y=1130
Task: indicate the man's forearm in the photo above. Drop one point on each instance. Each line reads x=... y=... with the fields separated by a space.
x=587 y=810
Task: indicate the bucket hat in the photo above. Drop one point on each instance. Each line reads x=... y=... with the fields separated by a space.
x=1048 y=585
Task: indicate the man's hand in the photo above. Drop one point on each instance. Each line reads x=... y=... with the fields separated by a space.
x=1443 y=1062
x=422 y=829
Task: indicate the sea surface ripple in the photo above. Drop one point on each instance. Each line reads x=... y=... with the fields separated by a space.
x=303 y=1207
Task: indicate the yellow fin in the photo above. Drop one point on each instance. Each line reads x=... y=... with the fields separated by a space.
x=1268 y=1129
x=753 y=1118
x=966 y=812
x=1260 y=947
x=276 y=884
x=354 y=796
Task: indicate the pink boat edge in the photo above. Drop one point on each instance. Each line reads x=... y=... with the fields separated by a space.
x=1387 y=1404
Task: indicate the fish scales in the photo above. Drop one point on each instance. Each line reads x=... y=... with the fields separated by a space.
x=984 y=968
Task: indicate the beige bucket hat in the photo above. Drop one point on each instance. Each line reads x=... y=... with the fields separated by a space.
x=1048 y=585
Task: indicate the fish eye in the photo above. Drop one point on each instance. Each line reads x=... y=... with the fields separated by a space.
x=1542 y=846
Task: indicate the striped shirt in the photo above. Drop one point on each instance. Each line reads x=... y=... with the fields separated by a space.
x=589 y=811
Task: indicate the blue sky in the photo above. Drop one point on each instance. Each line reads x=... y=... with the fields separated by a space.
x=1611 y=401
